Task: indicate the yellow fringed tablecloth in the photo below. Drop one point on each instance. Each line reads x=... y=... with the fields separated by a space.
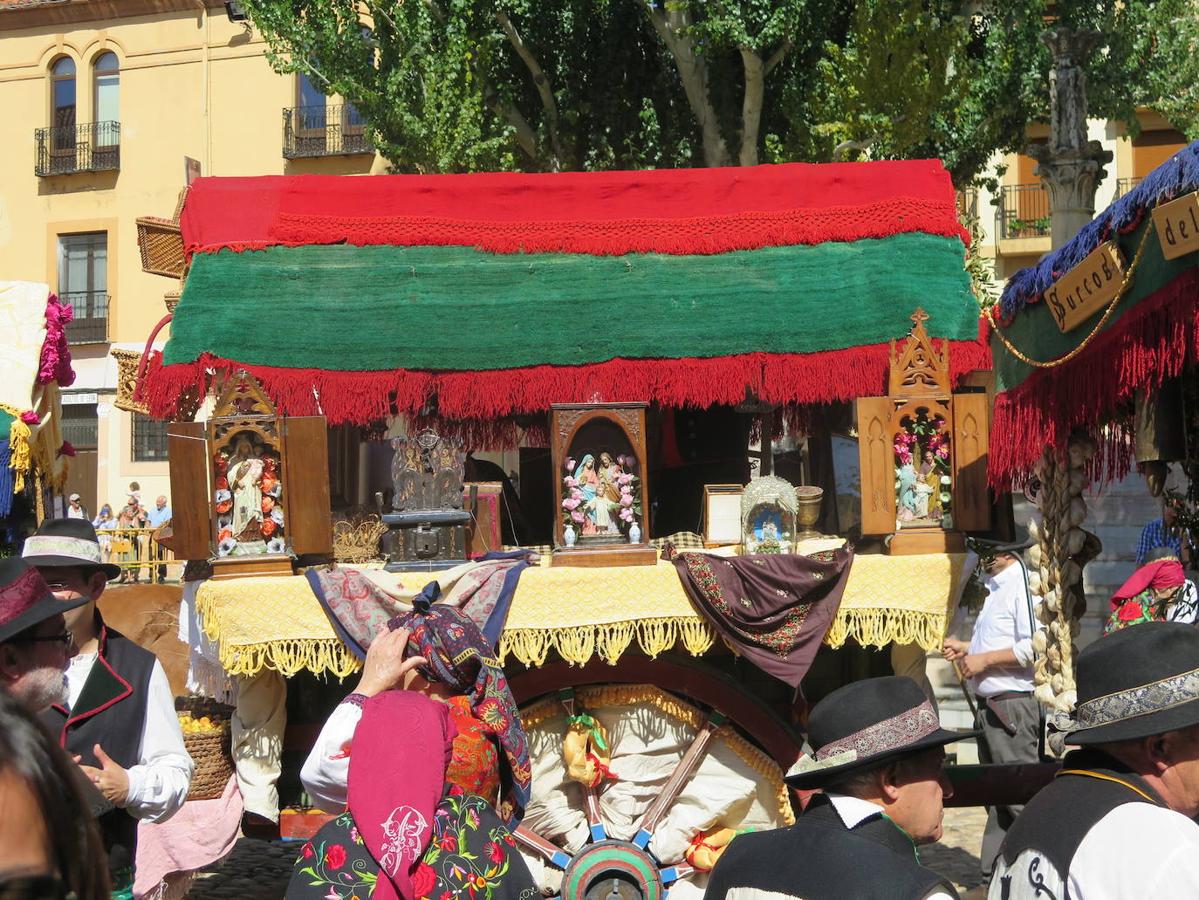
x=277 y=623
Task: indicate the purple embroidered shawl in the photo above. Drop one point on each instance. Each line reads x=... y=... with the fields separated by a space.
x=774 y=609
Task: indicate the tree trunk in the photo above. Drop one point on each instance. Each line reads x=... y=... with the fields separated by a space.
x=542 y=83
x=693 y=71
x=751 y=106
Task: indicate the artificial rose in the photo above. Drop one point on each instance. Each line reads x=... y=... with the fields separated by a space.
x=221 y=483
x=625 y=479
x=424 y=880
x=268 y=528
x=1130 y=611
x=570 y=464
x=335 y=856
x=576 y=516
x=571 y=503
x=66 y=449
x=29 y=417
x=627 y=514
x=626 y=500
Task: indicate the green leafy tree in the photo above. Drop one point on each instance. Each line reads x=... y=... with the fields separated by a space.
x=462 y=85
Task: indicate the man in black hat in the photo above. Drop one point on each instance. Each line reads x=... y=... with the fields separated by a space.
x=1117 y=821
x=878 y=754
x=998 y=666
x=120 y=712
x=34 y=642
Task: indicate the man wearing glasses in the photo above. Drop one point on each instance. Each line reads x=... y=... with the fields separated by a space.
x=35 y=645
x=119 y=717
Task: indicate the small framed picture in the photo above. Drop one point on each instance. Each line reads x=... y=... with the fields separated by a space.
x=722 y=514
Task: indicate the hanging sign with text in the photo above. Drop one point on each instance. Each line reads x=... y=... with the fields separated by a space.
x=1087 y=288
x=1177 y=224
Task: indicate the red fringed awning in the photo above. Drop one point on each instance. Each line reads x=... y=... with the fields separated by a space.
x=681 y=211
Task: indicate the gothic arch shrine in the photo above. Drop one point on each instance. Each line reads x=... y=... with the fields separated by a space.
x=923 y=452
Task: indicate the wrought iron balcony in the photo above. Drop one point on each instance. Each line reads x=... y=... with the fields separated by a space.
x=1124 y=185
x=95 y=147
x=324 y=131
x=90 y=322
x=1023 y=212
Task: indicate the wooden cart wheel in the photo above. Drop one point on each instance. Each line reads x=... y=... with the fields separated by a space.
x=699 y=720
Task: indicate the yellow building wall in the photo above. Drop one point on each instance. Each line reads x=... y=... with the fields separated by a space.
x=192 y=84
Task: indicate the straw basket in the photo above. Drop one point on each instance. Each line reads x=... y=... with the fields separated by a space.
x=161 y=245
x=210 y=750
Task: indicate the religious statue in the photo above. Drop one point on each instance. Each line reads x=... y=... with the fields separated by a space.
x=245 y=480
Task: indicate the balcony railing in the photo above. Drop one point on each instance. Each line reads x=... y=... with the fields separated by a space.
x=1124 y=185
x=324 y=131
x=90 y=323
x=95 y=147
x=1023 y=212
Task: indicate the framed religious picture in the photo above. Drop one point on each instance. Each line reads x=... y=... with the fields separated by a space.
x=768 y=506
x=722 y=514
x=601 y=491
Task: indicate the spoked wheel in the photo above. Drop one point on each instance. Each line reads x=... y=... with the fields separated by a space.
x=677 y=771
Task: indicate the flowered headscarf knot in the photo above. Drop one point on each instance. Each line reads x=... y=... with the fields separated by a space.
x=460 y=657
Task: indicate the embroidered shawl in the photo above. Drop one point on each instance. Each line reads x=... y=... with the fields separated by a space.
x=772 y=608
x=395 y=785
x=459 y=656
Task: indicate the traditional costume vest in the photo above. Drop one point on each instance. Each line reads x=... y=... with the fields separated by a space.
x=1038 y=849
x=111 y=712
x=818 y=858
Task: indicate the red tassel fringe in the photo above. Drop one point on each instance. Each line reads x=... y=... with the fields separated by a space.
x=1148 y=344
x=481 y=400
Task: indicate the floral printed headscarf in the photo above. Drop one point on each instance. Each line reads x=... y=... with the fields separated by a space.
x=459 y=656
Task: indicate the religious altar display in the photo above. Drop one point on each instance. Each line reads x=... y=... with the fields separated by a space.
x=36 y=361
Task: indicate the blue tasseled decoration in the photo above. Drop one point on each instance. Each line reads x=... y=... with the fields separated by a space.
x=1176 y=176
x=6 y=479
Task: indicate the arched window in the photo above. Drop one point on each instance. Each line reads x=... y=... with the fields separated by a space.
x=62 y=93
x=106 y=72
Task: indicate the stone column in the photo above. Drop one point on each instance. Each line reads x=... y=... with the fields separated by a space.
x=1070 y=166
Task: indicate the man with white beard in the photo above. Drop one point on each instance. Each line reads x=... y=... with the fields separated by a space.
x=35 y=646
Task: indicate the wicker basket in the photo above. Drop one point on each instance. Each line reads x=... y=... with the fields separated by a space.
x=210 y=751
x=161 y=245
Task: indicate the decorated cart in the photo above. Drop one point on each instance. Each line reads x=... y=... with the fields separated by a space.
x=1094 y=349
x=589 y=314
x=36 y=362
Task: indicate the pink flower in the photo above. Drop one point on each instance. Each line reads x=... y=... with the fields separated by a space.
x=626 y=514
x=570 y=464
x=576 y=493
x=570 y=482
x=570 y=503
x=625 y=479
x=626 y=500
x=29 y=417
x=576 y=516
x=66 y=449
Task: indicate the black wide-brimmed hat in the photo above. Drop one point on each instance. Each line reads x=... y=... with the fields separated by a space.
x=1137 y=682
x=1020 y=542
x=66 y=542
x=866 y=723
x=25 y=599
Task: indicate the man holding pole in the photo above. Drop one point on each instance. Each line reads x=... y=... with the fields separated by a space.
x=997 y=664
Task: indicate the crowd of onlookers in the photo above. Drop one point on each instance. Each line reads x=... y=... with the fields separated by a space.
x=126 y=536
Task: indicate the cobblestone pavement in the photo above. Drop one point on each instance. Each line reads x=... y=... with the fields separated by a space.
x=260 y=869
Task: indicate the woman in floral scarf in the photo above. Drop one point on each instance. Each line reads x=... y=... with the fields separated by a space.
x=1150 y=595
x=422 y=776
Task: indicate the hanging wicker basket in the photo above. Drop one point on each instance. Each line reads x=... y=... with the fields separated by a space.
x=161 y=245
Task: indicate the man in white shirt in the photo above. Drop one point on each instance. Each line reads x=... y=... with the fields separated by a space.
x=1118 y=821
x=75 y=508
x=120 y=713
x=878 y=755
x=998 y=665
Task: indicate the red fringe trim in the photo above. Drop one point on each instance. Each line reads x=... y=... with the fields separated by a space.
x=479 y=399
x=1148 y=344
x=701 y=235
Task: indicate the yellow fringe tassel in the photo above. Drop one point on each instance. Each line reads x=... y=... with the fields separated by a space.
x=20 y=455
x=578 y=644
x=879 y=627
x=316 y=655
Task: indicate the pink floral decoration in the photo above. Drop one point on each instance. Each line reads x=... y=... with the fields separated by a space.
x=570 y=464
x=55 y=364
x=577 y=516
x=66 y=449
x=29 y=417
